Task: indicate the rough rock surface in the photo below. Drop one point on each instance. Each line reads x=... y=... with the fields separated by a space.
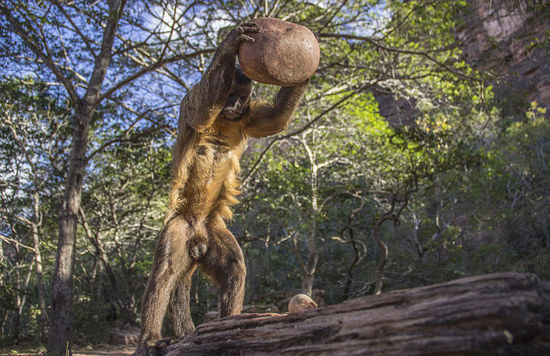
x=511 y=38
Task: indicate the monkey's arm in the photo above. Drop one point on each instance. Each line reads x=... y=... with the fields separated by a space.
x=269 y=119
x=204 y=102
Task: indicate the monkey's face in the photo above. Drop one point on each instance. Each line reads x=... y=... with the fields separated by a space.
x=238 y=101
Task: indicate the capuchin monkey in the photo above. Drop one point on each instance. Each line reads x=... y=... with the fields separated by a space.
x=216 y=119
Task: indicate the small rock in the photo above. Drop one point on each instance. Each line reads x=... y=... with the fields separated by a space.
x=301 y=302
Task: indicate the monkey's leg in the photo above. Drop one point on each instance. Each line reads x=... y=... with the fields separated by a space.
x=180 y=312
x=170 y=261
x=224 y=262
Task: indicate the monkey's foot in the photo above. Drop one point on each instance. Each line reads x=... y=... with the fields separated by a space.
x=165 y=342
x=197 y=249
x=144 y=349
x=152 y=348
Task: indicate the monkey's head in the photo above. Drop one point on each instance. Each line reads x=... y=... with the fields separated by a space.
x=238 y=100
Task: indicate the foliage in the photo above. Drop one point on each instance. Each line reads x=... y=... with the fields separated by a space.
x=399 y=167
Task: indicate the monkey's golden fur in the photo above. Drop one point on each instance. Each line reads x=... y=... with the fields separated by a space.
x=205 y=169
x=216 y=119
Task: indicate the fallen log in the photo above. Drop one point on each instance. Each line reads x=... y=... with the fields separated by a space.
x=496 y=314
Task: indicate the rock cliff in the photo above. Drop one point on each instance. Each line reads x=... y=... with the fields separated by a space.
x=512 y=39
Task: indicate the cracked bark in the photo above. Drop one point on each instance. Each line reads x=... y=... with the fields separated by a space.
x=496 y=314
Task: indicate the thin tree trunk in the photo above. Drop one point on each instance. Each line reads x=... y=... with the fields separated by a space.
x=313 y=252
x=4 y=313
x=309 y=276
x=40 y=286
x=102 y=256
x=383 y=257
x=60 y=328
x=17 y=319
x=312 y=260
x=99 y=282
x=21 y=300
x=392 y=213
x=60 y=324
x=356 y=254
x=351 y=268
x=39 y=277
x=416 y=242
x=34 y=225
x=3 y=327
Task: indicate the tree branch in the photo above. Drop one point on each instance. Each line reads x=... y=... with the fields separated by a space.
x=15 y=242
x=128 y=139
x=425 y=54
x=75 y=27
x=302 y=129
x=152 y=67
x=34 y=47
x=92 y=96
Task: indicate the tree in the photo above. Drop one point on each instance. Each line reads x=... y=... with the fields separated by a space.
x=398 y=169
x=31 y=164
x=53 y=44
x=381 y=121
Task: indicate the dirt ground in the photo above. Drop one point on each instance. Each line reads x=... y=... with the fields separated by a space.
x=89 y=350
x=105 y=350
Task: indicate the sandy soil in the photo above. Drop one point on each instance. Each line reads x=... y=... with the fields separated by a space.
x=105 y=350
x=91 y=350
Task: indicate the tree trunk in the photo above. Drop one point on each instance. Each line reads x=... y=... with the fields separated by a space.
x=497 y=314
x=356 y=257
x=60 y=324
x=310 y=266
x=4 y=313
x=20 y=301
x=38 y=262
x=60 y=328
x=309 y=273
x=384 y=252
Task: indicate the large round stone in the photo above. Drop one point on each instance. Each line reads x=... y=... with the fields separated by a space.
x=283 y=53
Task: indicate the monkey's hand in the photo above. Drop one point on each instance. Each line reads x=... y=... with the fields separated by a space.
x=231 y=43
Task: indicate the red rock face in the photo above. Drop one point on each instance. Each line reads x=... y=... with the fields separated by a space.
x=283 y=53
x=510 y=37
